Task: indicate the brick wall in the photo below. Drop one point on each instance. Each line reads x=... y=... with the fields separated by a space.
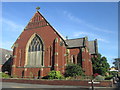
x=86 y=62
x=61 y=82
x=58 y=55
x=84 y=59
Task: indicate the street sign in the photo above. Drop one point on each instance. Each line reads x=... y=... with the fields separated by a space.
x=94 y=82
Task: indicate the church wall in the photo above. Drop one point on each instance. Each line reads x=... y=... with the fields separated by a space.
x=86 y=62
x=62 y=58
x=74 y=52
x=49 y=42
x=48 y=35
x=54 y=53
x=84 y=59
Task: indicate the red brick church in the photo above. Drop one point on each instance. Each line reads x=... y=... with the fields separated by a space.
x=40 y=49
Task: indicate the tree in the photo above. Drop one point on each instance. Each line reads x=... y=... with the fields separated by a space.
x=73 y=70
x=117 y=63
x=100 y=65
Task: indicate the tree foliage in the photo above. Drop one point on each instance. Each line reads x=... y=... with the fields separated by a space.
x=55 y=75
x=117 y=63
x=100 y=65
x=73 y=70
x=113 y=73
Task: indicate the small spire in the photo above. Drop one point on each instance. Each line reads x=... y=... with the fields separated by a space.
x=37 y=8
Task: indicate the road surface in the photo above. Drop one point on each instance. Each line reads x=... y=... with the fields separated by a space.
x=14 y=86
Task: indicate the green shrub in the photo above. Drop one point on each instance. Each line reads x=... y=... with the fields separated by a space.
x=73 y=70
x=113 y=73
x=54 y=75
x=87 y=77
x=68 y=78
x=99 y=77
x=3 y=75
x=109 y=77
x=14 y=76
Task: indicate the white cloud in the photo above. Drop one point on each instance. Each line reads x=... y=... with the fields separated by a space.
x=10 y=30
x=10 y=25
x=78 y=20
x=103 y=40
x=92 y=27
x=112 y=57
x=91 y=35
x=73 y=18
x=98 y=29
x=76 y=34
x=6 y=44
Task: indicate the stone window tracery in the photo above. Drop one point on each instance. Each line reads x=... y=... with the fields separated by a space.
x=35 y=52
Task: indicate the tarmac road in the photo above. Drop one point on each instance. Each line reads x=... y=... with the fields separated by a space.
x=19 y=86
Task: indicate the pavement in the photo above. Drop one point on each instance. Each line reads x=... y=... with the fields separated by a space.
x=19 y=86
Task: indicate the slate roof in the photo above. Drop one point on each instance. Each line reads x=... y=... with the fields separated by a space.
x=93 y=47
x=72 y=43
x=80 y=42
x=3 y=53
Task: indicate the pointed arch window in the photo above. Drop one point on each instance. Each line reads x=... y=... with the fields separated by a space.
x=73 y=60
x=35 y=52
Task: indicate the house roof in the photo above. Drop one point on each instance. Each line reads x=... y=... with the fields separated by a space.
x=72 y=43
x=3 y=54
x=93 y=47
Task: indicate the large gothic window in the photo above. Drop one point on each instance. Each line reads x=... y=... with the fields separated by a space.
x=35 y=52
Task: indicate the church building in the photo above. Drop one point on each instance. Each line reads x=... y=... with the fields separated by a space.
x=40 y=49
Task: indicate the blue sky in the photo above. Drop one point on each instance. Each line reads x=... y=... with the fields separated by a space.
x=97 y=20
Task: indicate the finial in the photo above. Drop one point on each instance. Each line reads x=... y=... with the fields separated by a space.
x=37 y=8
